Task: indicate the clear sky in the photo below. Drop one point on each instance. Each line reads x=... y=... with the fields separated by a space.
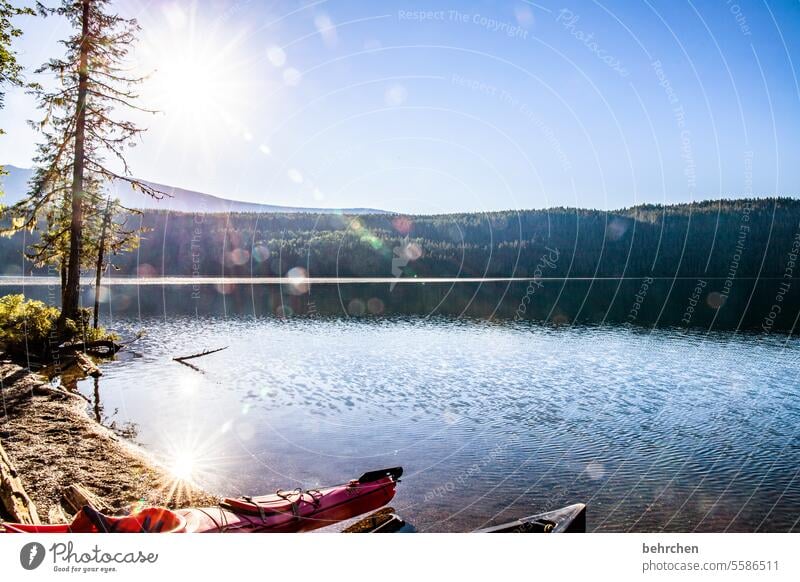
x=465 y=105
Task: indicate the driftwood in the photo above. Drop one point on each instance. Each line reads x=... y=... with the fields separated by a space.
x=51 y=391
x=83 y=363
x=56 y=515
x=182 y=359
x=139 y=335
x=99 y=347
x=15 y=501
x=76 y=496
x=201 y=354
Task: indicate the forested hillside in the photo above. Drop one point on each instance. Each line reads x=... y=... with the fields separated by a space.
x=742 y=238
x=728 y=264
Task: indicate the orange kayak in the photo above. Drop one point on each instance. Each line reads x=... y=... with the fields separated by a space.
x=285 y=511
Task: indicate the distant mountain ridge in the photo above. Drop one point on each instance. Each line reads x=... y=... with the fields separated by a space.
x=15 y=185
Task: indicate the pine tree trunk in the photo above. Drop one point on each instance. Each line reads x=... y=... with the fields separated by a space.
x=99 y=267
x=63 y=270
x=72 y=292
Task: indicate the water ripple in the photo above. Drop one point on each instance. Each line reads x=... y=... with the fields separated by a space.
x=656 y=430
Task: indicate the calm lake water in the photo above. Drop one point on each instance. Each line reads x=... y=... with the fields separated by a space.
x=657 y=430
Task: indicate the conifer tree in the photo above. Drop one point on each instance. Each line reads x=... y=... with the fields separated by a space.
x=84 y=139
x=10 y=69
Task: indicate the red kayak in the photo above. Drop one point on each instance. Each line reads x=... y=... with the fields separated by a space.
x=285 y=511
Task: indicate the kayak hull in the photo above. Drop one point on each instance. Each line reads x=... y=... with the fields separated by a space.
x=570 y=519
x=382 y=521
x=330 y=506
x=282 y=512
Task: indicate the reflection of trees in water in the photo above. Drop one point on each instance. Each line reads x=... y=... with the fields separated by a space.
x=128 y=430
x=665 y=302
x=69 y=378
x=662 y=302
x=98 y=408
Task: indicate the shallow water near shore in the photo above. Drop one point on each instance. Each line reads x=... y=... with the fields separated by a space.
x=655 y=429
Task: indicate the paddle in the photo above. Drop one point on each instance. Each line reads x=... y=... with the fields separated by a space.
x=394 y=472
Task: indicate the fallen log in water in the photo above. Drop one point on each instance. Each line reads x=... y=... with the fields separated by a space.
x=182 y=359
x=15 y=501
x=97 y=347
x=204 y=353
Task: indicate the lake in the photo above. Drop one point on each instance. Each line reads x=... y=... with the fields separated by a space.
x=657 y=429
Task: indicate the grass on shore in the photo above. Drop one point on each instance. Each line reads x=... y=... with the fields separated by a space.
x=28 y=329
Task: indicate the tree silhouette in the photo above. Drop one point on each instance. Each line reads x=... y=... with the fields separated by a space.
x=81 y=128
x=10 y=69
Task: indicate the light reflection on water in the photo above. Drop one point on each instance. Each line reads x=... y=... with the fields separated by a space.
x=654 y=430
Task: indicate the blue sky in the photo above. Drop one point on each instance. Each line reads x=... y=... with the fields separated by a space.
x=451 y=106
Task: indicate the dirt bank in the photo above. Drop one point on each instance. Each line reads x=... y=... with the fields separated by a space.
x=53 y=443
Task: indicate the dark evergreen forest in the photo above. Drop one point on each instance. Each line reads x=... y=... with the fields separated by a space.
x=743 y=251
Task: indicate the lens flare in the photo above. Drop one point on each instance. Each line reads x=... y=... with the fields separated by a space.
x=298 y=281
x=183 y=468
x=189 y=461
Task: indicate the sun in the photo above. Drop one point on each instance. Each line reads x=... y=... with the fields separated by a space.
x=190 y=459
x=183 y=467
x=198 y=74
x=191 y=82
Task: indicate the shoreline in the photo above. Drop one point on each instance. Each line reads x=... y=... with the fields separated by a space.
x=53 y=442
x=209 y=280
